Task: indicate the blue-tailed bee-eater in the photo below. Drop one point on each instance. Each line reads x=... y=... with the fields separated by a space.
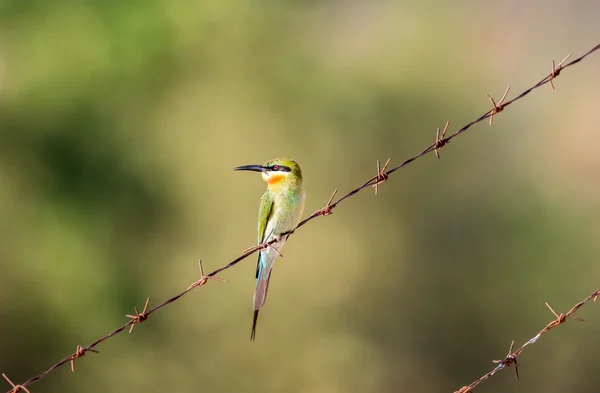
x=280 y=210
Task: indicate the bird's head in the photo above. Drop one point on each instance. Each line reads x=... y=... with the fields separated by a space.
x=276 y=171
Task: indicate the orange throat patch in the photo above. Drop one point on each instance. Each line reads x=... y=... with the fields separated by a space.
x=274 y=179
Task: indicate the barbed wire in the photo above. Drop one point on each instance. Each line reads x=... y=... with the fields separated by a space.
x=381 y=177
x=511 y=357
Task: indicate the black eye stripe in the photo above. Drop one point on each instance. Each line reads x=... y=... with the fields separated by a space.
x=280 y=168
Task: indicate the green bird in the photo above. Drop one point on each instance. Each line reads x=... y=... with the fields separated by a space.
x=280 y=210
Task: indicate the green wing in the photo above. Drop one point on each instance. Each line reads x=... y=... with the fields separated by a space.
x=264 y=215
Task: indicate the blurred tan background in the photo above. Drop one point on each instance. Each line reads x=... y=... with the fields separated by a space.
x=120 y=123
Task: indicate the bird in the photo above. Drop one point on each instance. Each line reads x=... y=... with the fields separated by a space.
x=281 y=208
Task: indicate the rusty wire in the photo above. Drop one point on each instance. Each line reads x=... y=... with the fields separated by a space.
x=382 y=176
x=511 y=358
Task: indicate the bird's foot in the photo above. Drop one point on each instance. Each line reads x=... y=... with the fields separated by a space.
x=264 y=246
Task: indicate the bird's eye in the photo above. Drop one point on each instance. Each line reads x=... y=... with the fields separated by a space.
x=275 y=167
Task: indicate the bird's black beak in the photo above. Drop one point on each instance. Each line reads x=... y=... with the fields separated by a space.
x=255 y=168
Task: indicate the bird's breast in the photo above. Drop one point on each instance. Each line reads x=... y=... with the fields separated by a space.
x=288 y=210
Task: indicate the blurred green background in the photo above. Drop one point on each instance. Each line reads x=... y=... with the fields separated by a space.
x=120 y=123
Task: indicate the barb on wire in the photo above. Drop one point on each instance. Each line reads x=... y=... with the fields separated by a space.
x=382 y=175
x=556 y=70
x=15 y=388
x=561 y=317
x=139 y=317
x=511 y=358
x=325 y=210
x=439 y=140
x=80 y=352
x=498 y=107
x=203 y=278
